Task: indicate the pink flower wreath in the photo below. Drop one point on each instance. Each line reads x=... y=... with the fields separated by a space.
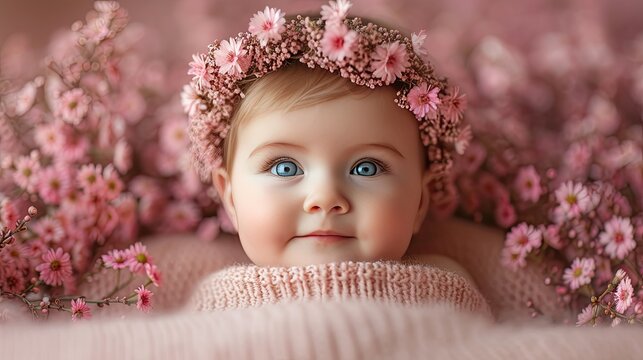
x=367 y=55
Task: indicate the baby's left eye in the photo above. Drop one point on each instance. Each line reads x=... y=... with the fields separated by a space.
x=365 y=168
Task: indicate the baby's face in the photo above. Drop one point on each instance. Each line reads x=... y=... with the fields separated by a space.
x=351 y=166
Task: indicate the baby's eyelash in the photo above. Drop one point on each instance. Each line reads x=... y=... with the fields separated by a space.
x=270 y=162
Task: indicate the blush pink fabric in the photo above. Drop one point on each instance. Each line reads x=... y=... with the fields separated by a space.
x=245 y=286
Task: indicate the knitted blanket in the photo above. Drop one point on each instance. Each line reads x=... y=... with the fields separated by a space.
x=386 y=281
x=332 y=326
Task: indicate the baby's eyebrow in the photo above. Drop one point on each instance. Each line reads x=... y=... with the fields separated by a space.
x=274 y=144
x=383 y=146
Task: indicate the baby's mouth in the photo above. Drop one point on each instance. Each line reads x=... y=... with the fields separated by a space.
x=326 y=239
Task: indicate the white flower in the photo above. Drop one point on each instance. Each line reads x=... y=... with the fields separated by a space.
x=335 y=11
x=419 y=41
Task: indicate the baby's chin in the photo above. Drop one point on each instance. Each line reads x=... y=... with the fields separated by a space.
x=304 y=253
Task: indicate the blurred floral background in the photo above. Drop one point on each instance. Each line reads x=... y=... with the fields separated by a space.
x=93 y=134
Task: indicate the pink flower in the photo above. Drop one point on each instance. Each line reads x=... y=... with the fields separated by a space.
x=153 y=274
x=90 y=178
x=115 y=259
x=137 y=257
x=267 y=25
x=463 y=140
x=112 y=184
x=80 y=310
x=579 y=273
x=8 y=214
x=453 y=105
x=618 y=237
x=74 y=147
x=56 y=268
x=552 y=237
x=527 y=184
x=49 y=137
x=585 y=316
x=182 y=215
x=49 y=230
x=144 y=302
x=505 y=214
x=473 y=157
x=73 y=106
x=190 y=101
x=389 y=61
x=122 y=156
x=174 y=136
x=419 y=47
x=512 y=258
x=335 y=11
x=524 y=238
x=423 y=98
x=231 y=57
x=12 y=278
x=623 y=295
x=338 y=42
x=573 y=198
x=26 y=173
x=54 y=184
x=202 y=73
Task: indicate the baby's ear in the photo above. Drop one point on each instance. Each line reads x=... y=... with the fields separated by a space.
x=221 y=181
x=424 y=201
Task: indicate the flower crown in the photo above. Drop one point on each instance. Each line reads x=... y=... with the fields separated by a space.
x=367 y=55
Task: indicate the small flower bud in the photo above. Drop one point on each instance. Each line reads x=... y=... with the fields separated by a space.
x=27 y=218
x=32 y=211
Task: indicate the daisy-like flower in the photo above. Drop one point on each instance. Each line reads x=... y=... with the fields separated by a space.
x=80 y=310
x=389 y=61
x=202 y=74
x=73 y=106
x=26 y=173
x=579 y=273
x=623 y=295
x=153 y=274
x=527 y=184
x=12 y=279
x=8 y=214
x=338 y=42
x=267 y=25
x=505 y=214
x=453 y=105
x=573 y=198
x=585 y=316
x=144 y=302
x=190 y=100
x=419 y=48
x=524 y=238
x=49 y=230
x=335 y=11
x=54 y=184
x=618 y=237
x=56 y=268
x=115 y=259
x=231 y=57
x=112 y=183
x=174 y=135
x=90 y=178
x=49 y=138
x=137 y=257
x=512 y=258
x=423 y=98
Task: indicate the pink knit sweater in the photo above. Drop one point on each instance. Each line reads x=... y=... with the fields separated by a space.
x=386 y=281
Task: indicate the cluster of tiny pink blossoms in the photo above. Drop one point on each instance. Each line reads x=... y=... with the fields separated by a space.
x=66 y=148
x=559 y=166
x=366 y=54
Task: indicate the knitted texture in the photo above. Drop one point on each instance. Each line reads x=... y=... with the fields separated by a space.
x=386 y=281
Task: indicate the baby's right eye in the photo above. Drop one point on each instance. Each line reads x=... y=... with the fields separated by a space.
x=286 y=169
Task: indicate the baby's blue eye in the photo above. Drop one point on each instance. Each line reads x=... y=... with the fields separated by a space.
x=364 y=168
x=285 y=168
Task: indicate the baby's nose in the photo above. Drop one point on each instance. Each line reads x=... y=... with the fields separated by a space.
x=326 y=198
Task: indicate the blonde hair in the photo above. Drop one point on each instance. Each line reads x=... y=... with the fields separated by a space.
x=292 y=87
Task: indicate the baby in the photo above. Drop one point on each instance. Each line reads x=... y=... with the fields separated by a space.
x=323 y=138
